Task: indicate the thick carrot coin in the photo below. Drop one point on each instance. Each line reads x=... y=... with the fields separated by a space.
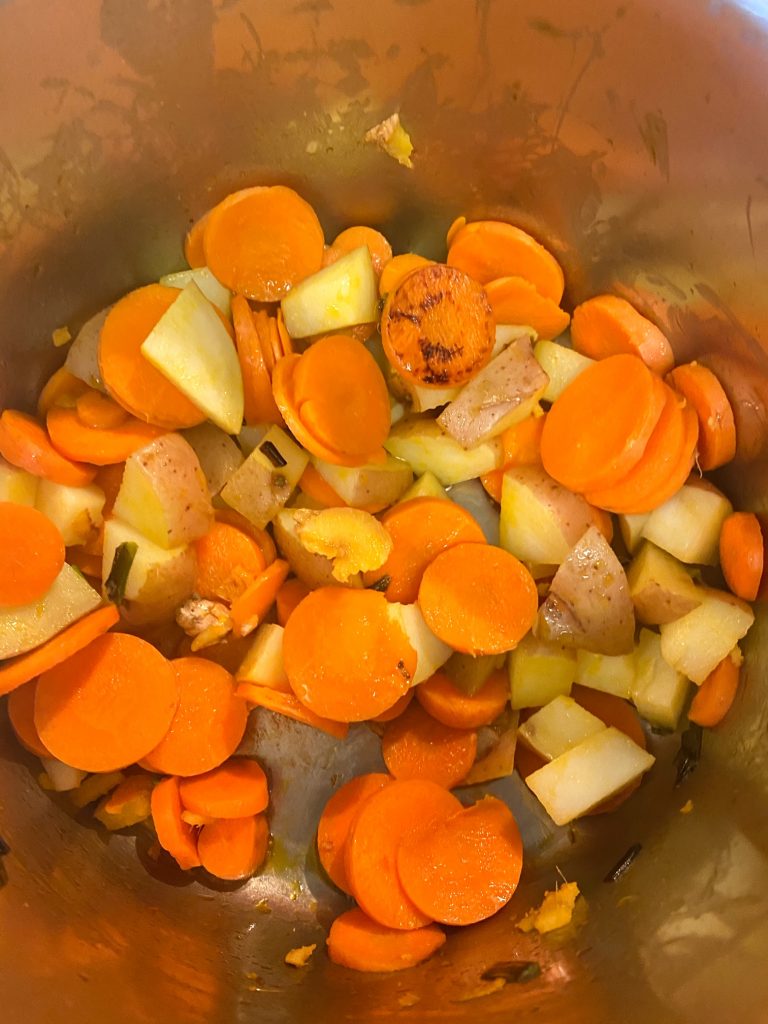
x=25 y=444
x=31 y=554
x=257 y=384
x=420 y=529
x=355 y=237
x=717 y=429
x=346 y=657
x=441 y=699
x=742 y=554
x=478 y=599
x=336 y=821
x=398 y=268
x=357 y=942
x=102 y=446
x=99 y=411
x=207 y=725
x=261 y=241
x=289 y=705
x=194 y=250
x=250 y=608
x=108 y=705
x=417 y=746
x=489 y=249
x=234 y=848
x=289 y=596
x=608 y=325
x=173 y=833
x=384 y=821
x=127 y=375
x=21 y=712
x=516 y=301
x=464 y=868
x=228 y=561
x=437 y=327
x=235 y=789
x=397 y=709
x=713 y=699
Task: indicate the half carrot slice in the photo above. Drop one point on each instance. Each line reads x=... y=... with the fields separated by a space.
x=357 y=942
x=336 y=821
x=101 y=446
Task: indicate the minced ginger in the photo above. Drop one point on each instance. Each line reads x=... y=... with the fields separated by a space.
x=554 y=911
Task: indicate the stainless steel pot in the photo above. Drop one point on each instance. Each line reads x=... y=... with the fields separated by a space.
x=631 y=136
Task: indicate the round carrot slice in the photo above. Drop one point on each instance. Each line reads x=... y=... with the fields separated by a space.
x=234 y=848
x=173 y=833
x=289 y=597
x=61 y=388
x=382 y=824
x=398 y=268
x=742 y=554
x=357 y=942
x=478 y=599
x=228 y=561
x=456 y=225
x=464 y=868
x=397 y=709
x=208 y=724
x=417 y=746
x=516 y=301
x=336 y=822
x=441 y=699
x=25 y=444
x=102 y=446
x=437 y=327
x=108 y=705
x=21 y=712
x=261 y=241
x=717 y=429
x=607 y=325
x=236 y=789
x=353 y=238
x=346 y=657
x=194 y=251
x=99 y=411
x=31 y=554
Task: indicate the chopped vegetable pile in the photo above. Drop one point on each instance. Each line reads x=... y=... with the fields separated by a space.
x=348 y=487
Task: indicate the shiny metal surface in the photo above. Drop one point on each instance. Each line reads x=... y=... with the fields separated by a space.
x=631 y=136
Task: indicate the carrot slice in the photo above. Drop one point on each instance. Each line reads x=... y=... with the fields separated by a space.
x=194 y=250
x=713 y=699
x=489 y=249
x=464 y=868
x=336 y=821
x=25 y=444
x=262 y=538
x=17 y=671
x=478 y=599
x=607 y=325
x=289 y=596
x=62 y=388
x=235 y=789
x=21 y=712
x=234 y=848
x=289 y=705
x=598 y=428
x=108 y=705
x=31 y=554
x=208 y=724
x=741 y=554
x=437 y=327
x=345 y=657
x=516 y=301
x=420 y=529
x=456 y=226
x=257 y=386
x=441 y=699
x=228 y=561
x=249 y=609
x=397 y=709
x=127 y=375
x=263 y=240
x=173 y=833
x=359 y=235
x=384 y=821
x=102 y=446
x=286 y=345
x=398 y=268
x=99 y=411
x=521 y=446
x=417 y=746
x=717 y=428
x=316 y=488
x=357 y=942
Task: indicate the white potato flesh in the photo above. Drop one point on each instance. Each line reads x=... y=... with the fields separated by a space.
x=381 y=484
x=160 y=579
x=83 y=354
x=17 y=485
x=63 y=776
x=539 y=672
x=341 y=295
x=660 y=586
x=426 y=486
x=561 y=364
x=267 y=478
x=263 y=664
x=421 y=443
x=598 y=768
x=608 y=673
x=208 y=284
x=415 y=397
x=631 y=529
x=217 y=453
x=505 y=334
x=559 y=726
x=696 y=643
x=688 y=525
x=313 y=570
x=660 y=691
x=431 y=653
x=75 y=511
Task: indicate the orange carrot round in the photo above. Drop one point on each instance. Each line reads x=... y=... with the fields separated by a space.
x=478 y=599
x=289 y=705
x=417 y=746
x=25 y=444
x=441 y=699
x=234 y=848
x=742 y=554
x=336 y=821
x=713 y=699
x=289 y=596
x=316 y=488
x=21 y=712
x=607 y=325
x=355 y=237
x=62 y=388
x=99 y=411
x=173 y=833
x=262 y=537
x=250 y=608
x=357 y=942
x=516 y=301
x=194 y=250
x=236 y=789
x=398 y=268
x=717 y=429
x=228 y=561
x=31 y=554
x=101 y=446
x=397 y=709
x=257 y=384
x=456 y=225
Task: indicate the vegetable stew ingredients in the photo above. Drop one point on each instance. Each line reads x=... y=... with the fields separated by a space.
x=717 y=429
x=713 y=699
x=100 y=446
x=417 y=746
x=31 y=554
x=336 y=821
x=289 y=705
x=742 y=553
x=236 y=789
x=233 y=848
x=516 y=301
x=21 y=712
x=607 y=325
x=362 y=944
x=446 y=703
x=173 y=833
x=26 y=445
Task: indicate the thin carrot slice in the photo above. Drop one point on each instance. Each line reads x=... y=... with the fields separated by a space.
x=21 y=712
x=478 y=599
x=357 y=942
x=336 y=821
x=345 y=656
x=208 y=724
x=465 y=868
x=127 y=375
x=261 y=241
x=437 y=327
x=355 y=237
x=262 y=538
x=420 y=529
x=397 y=709
x=228 y=561
x=516 y=301
x=31 y=554
x=489 y=249
x=62 y=388
x=173 y=833
x=289 y=705
x=25 y=444
x=398 y=268
x=289 y=596
x=417 y=746
x=454 y=229
x=607 y=325
x=194 y=250
x=742 y=554
x=257 y=386
x=261 y=322
x=249 y=609
x=598 y=428
x=383 y=823
x=441 y=699
x=316 y=488
x=521 y=446
x=286 y=345
x=274 y=339
x=102 y=446
x=99 y=411
x=713 y=699
x=235 y=789
x=234 y=848
x=717 y=429
x=108 y=705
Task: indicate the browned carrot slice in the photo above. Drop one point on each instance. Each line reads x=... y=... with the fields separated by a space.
x=489 y=249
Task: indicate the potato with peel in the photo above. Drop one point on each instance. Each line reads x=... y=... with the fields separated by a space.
x=352 y=539
x=312 y=569
x=422 y=443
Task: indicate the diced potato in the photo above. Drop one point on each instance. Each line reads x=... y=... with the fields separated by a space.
x=559 y=726
x=431 y=653
x=503 y=393
x=469 y=672
x=83 y=354
x=688 y=525
x=192 y=348
x=561 y=364
x=584 y=776
x=209 y=285
x=609 y=673
x=352 y=539
x=267 y=478
x=76 y=511
x=660 y=691
x=421 y=443
x=23 y=627
x=263 y=664
x=164 y=494
x=62 y=777
x=17 y=485
x=539 y=672
x=160 y=578
x=696 y=643
x=415 y=397
x=505 y=334
x=338 y=296
x=660 y=587
x=313 y=570
x=370 y=487
x=217 y=453
x=631 y=528
x=426 y=486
